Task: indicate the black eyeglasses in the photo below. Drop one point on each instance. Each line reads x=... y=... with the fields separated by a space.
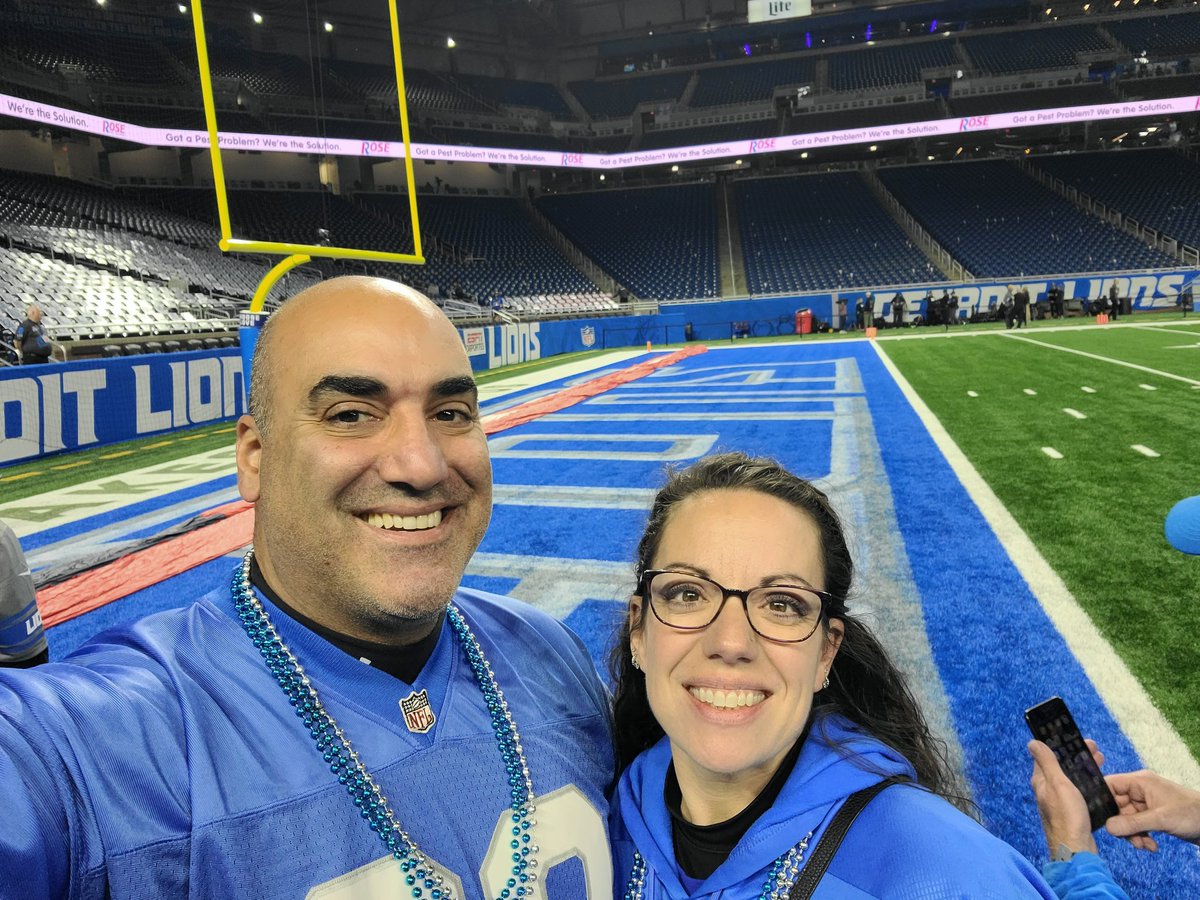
x=785 y=613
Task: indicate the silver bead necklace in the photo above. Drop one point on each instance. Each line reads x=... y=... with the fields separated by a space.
x=780 y=878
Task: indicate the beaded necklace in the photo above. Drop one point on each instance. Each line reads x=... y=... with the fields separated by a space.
x=778 y=885
x=337 y=751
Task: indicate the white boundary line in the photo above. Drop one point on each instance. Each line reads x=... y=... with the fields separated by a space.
x=1152 y=736
x=1107 y=359
x=1188 y=332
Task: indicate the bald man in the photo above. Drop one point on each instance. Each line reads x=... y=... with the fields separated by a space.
x=338 y=717
x=31 y=338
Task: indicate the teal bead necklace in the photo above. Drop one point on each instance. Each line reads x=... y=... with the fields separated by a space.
x=345 y=765
x=780 y=878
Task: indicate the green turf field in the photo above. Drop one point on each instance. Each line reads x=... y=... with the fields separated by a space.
x=1097 y=512
x=54 y=472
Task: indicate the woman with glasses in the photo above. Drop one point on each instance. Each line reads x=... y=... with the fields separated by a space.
x=750 y=705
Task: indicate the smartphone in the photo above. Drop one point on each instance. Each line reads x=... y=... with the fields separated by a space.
x=1052 y=723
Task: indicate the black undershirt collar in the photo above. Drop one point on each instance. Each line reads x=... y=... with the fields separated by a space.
x=700 y=849
x=404 y=662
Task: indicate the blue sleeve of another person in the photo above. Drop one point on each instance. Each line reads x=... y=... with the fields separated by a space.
x=1083 y=877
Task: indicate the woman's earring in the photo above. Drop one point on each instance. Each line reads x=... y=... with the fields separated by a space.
x=633 y=659
x=825 y=686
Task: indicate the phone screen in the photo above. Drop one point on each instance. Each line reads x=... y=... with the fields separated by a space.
x=1052 y=723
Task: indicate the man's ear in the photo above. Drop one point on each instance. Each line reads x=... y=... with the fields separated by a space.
x=249 y=458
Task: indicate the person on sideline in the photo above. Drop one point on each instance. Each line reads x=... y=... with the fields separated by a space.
x=337 y=717
x=752 y=707
x=31 y=338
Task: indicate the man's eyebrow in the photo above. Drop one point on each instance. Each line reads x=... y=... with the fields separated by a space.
x=353 y=385
x=452 y=387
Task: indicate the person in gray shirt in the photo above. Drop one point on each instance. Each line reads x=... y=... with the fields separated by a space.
x=22 y=638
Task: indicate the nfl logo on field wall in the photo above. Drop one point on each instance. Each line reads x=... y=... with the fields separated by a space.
x=418 y=715
x=587 y=334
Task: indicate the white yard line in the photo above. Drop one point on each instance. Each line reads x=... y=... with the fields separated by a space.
x=1107 y=359
x=972 y=394
x=1189 y=332
x=1152 y=736
x=1088 y=390
x=1074 y=413
x=1144 y=450
x=1052 y=453
x=1147 y=387
x=1031 y=392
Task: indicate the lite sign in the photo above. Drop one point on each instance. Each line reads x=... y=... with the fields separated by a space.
x=775 y=10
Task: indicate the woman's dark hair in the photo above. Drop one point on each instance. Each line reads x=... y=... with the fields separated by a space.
x=864 y=684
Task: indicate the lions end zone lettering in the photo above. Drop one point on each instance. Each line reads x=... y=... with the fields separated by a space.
x=1146 y=291
x=57 y=409
x=502 y=345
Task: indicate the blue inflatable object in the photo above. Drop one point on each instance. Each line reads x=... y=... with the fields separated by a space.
x=1183 y=526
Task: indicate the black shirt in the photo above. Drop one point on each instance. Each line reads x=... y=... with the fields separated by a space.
x=35 y=348
x=700 y=849
x=404 y=662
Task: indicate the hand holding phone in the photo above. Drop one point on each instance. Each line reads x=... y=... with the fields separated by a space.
x=1052 y=724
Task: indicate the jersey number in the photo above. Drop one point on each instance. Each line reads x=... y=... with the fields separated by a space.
x=568 y=826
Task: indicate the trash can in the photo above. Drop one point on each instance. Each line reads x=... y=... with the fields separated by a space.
x=804 y=321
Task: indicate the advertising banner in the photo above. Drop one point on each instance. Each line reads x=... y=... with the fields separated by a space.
x=57 y=407
x=776 y=10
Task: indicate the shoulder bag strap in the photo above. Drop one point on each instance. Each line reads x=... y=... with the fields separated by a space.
x=831 y=840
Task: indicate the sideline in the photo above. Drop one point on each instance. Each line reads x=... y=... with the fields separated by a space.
x=1152 y=736
x=1190 y=332
x=1107 y=359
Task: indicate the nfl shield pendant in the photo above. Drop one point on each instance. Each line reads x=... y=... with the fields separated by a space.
x=418 y=715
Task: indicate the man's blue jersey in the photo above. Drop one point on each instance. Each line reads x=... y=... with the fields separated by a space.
x=163 y=760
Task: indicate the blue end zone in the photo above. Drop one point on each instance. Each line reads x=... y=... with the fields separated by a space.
x=993 y=647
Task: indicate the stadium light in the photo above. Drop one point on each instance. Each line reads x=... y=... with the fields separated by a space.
x=451 y=43
x=675 y=168
x=804 y=155
x=101 y=2
x=182 y=9
x=737 y=162
x=257 y=17
x=874 y=147
x=329 y=26
x=601 y=176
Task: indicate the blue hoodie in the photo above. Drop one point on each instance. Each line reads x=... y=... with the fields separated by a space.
x=907 y=842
